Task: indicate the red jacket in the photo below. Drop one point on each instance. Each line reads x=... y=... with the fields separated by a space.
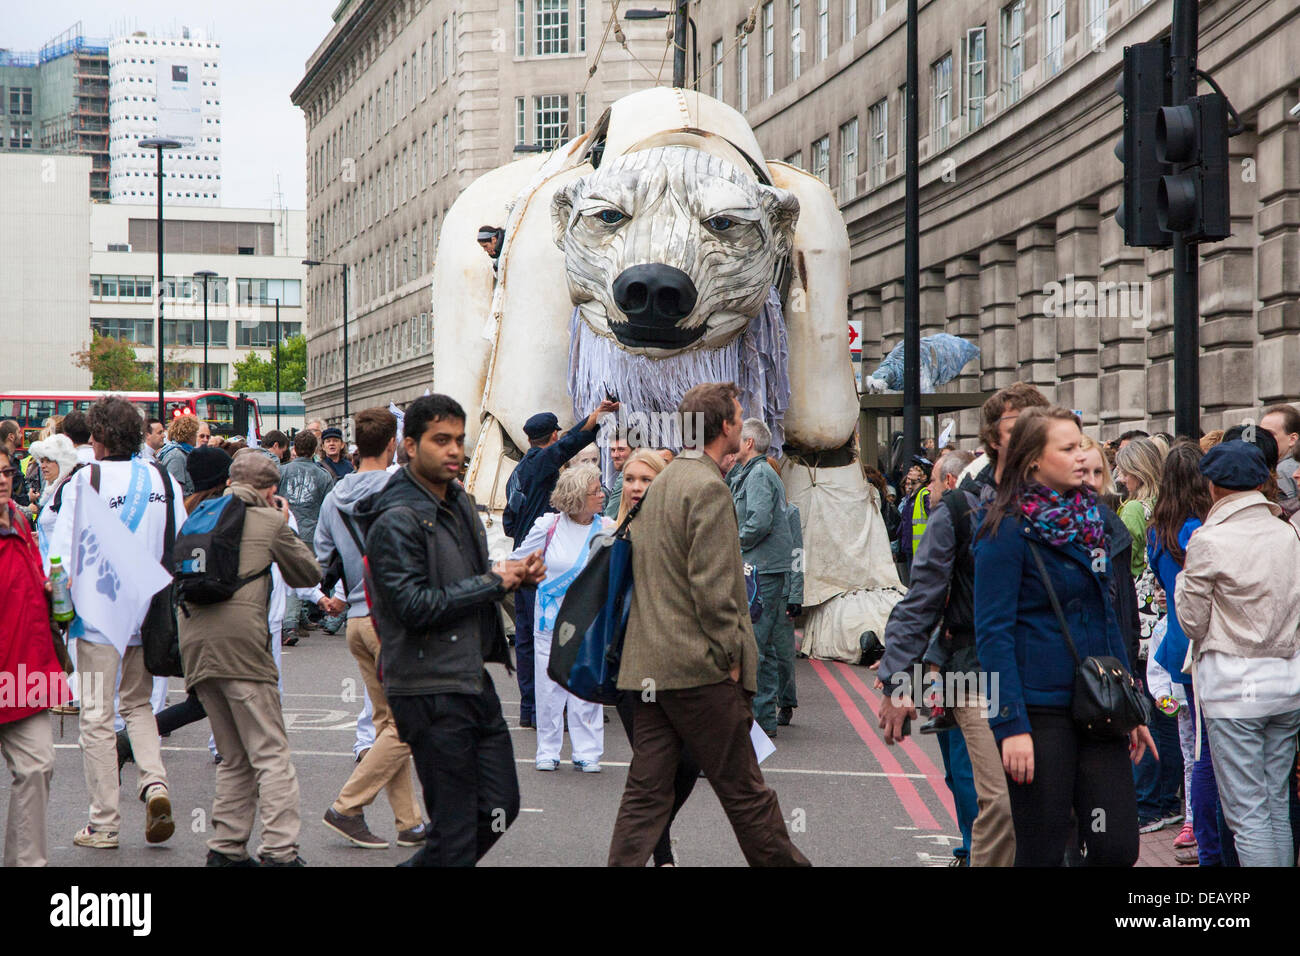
x=31 y=679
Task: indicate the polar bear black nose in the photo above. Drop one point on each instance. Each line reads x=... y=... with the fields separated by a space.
x=654 y=294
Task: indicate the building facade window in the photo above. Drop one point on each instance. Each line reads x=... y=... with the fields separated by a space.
x=521 y=29
x=1012 y=58
x=878 y=8
x=128 y=330
x=941 y=102
x=975 y=77
x=850 y=20
x=521 y=122
x=821 y=159
x=1095 y=27
x=551 y=119
x=262 y=334
x=582 y=26
x=849 y=160
x=823 y=29
x=1054 y=35
x=551 y=27
x=580 y=104
x=742 y=70
x=796 y=39
x=795 y=159
x=266 y=291
x=717 y=69
x=769 y=48
x=878 y=147
x=902 y=127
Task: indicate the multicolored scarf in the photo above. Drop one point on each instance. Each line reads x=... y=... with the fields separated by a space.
x=1060 y=519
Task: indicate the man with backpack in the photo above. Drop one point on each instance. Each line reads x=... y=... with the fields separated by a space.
x=225 y=553
x=387 y=764
x=140 y=494
x=528 y=497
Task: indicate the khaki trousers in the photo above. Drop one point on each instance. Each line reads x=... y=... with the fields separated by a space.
x=993 y=838
x=28 y=747
x=255 y=769
x=387 y=765
x=97 y=668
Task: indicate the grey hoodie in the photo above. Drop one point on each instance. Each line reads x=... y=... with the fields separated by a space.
x=332 y=534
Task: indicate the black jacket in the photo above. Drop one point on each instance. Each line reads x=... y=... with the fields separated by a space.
x=432 y=591
x=1123 y=589
x=534 y=479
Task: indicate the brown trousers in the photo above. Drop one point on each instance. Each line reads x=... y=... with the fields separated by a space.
x=713 y=722
x=255 y=772
x=387 y=765
x=993 y=838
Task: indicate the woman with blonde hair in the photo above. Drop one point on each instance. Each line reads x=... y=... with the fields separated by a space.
x=648 y=464
x=1140 y=464
x=564 y=537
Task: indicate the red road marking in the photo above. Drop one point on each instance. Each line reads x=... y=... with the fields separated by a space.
x=903 y=787
x=933 y=775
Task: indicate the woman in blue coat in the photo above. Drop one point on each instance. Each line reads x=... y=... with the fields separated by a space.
x=1043 y=504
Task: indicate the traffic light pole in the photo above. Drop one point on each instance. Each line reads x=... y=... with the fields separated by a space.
x=1187 y=311
x=911 y=257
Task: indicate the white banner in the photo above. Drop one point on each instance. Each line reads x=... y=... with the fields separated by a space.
x=111 y=586
x=180 y=100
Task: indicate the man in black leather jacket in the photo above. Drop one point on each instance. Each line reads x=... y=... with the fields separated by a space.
x=434 y=597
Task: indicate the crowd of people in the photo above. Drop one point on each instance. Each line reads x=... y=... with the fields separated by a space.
x=1176 y=558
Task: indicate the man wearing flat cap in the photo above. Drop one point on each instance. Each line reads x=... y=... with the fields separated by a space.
x=334 y=453
x=1236 y=601
x=528 y=495
x=226 y=650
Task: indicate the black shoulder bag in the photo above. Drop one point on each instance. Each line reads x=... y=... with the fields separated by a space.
x=159 y=633
x=1107 y=701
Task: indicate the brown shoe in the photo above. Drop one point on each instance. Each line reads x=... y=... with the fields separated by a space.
x=158 y=823
x=354 y=829
x=1187 y=855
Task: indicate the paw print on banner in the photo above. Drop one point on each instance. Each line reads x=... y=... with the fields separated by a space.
x=109 y=583
x=87 y=551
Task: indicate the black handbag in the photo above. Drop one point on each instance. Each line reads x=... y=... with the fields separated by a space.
x=1107 y=702
x=159 y=634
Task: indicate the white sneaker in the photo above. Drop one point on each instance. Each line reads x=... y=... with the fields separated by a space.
x=587 y=766
x=548 y=765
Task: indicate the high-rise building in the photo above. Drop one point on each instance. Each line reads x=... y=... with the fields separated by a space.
x=177 y=78
x=56 y=100
x=406 y=103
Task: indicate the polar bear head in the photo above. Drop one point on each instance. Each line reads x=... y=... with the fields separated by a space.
x=671 y=248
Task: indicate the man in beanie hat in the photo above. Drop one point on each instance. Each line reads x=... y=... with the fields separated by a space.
x=528 y=495
x=1236 y=602
x=208 y=467
x=228 y=662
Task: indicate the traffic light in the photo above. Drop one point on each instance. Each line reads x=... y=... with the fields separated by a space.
x=1144 y=86
x=1193 y=196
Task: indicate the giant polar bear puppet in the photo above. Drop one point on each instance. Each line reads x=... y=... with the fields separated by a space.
x=654 y=252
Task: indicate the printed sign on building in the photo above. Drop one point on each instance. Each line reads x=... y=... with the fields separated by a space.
x=180 y=100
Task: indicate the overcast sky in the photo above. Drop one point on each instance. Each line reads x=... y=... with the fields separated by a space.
x=264 y=45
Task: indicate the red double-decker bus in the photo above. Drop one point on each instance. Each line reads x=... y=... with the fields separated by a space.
x=226 y=414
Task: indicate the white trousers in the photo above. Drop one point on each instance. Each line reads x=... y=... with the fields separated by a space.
x=586 y=720
x=1187 y=742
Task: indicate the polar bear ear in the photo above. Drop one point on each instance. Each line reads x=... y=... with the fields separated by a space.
x=782 y=207
x=562 y=212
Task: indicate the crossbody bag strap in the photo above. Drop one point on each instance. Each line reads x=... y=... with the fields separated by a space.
x=1056 y=605
x=621 y=530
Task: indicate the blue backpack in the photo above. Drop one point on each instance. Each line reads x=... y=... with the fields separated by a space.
x=206 y=557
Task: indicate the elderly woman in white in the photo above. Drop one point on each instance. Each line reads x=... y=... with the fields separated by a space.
x=56 y=457
x=565 y=538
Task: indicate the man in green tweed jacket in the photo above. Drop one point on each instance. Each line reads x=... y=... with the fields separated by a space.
x=689 y=656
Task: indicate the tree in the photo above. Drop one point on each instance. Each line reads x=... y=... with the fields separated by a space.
x=256 y=374
x=112 y=365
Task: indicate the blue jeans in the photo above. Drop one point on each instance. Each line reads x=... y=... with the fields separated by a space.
x=1157 y=781
x=524 y=600
x=1204 y=798
x=767 y=632
x=960 y=778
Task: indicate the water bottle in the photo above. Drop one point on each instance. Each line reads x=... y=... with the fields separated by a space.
x=63 y=611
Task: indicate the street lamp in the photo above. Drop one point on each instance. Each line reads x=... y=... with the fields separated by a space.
x=205 y=275
x=680 y=20
x=160 y=143
x=344 y=268
x=278 y=344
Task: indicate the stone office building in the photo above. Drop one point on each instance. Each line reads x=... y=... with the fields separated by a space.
x=1018 y=117
x=406 y=103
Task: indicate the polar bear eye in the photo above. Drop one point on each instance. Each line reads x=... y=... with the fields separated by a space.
x=720 y=223
x=610 y=217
